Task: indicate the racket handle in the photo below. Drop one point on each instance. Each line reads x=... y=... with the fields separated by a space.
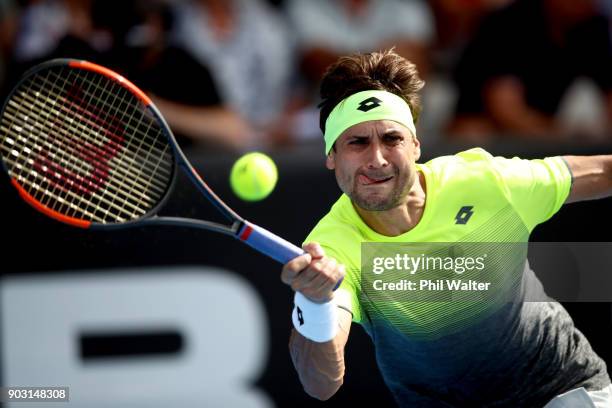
x=270 y=244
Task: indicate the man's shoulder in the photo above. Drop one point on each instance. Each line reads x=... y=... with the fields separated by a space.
x=465 y=164
x=473 y=155
x=473 y=172
x=337 y=222
x=337 y=230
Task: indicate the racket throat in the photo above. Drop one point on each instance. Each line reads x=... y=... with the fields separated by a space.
x=243 y=231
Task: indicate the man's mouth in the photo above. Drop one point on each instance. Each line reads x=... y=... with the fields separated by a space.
x=372 y=180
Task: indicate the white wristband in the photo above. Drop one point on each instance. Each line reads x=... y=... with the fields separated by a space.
x=315 y=321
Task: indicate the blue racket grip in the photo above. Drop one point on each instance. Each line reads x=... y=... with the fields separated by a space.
x=270 y=244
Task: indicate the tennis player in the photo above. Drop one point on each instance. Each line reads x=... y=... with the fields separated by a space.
x=514 y=354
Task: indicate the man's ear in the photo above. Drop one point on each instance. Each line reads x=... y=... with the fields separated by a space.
x=417 y=148
x=330 y=161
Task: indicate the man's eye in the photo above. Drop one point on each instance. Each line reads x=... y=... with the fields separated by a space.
x=393 y=139
x=358 y=141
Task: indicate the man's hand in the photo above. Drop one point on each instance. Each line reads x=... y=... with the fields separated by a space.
x=313 y=274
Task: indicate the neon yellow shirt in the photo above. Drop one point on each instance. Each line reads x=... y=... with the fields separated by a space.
x=508 y=198
x=475 y=353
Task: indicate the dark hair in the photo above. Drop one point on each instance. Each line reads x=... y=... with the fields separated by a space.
x=383 y=71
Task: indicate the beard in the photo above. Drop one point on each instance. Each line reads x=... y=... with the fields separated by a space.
x=375 y=204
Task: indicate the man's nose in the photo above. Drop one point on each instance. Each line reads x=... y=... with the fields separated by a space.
x=376 y=157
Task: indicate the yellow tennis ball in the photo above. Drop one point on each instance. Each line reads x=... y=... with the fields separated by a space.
x=253 y=176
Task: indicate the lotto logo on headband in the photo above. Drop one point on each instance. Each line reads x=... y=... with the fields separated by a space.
x=372 y=105
x=369 y=104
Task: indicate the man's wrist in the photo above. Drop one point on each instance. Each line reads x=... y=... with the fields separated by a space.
x=329 y=298
x=315 y=321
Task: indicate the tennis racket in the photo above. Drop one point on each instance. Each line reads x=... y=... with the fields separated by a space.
x=85 y=146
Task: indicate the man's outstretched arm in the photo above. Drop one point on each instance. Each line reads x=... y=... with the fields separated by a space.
x=592 y=177
x=320 y=364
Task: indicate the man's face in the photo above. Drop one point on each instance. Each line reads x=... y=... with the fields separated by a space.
x=374 y=164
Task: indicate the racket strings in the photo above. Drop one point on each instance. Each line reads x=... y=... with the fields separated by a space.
x=109 y=152
x=116 y=110
x=14 y=108
x=73 y=165
x=152 y=152
x=62 y=201
x=50 y=193
x=21 y=168
x=124 y=107
x=125 y=176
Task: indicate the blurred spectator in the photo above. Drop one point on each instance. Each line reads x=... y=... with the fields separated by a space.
x=218 y=70
x=606 y=8
x=456 y=22
x=327 y=29
x=182 y=88
x=70 y=28
x=245 y=49
x=8 y=27
x=46 y=29
x=517 y=69
x=36 y=31
x=44 y=25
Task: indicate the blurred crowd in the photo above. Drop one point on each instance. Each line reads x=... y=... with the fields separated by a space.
x=238 y=75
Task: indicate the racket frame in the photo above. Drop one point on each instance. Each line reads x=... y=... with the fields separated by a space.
x=179 y=160
x=253 y=235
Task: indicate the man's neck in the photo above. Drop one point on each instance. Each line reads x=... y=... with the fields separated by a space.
x=402 y=218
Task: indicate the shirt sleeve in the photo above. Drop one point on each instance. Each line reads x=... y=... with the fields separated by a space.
x=347 y=295
x=536 y=188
